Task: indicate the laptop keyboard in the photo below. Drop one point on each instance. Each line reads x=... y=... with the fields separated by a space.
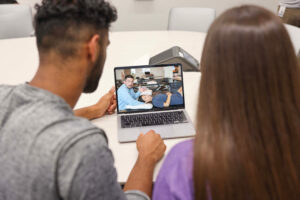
x=162 y=118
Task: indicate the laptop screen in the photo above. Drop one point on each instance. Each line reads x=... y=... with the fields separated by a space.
x=149 y=88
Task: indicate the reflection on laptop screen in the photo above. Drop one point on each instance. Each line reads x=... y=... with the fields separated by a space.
x=149 y=88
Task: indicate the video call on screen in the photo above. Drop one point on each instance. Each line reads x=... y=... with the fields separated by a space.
x=148 y=89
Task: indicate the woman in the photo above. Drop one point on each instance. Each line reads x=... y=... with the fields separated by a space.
x=248 y=121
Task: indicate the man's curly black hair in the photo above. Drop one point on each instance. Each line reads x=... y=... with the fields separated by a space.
x=61 y=24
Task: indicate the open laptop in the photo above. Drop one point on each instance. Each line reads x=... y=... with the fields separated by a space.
x=164 y=113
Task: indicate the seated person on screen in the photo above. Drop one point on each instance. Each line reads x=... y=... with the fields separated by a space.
x=164 y=100
x=247 y=126
x=126 y=94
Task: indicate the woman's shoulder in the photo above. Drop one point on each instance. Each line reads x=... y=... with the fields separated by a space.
x=180 y=155
x=183 y=148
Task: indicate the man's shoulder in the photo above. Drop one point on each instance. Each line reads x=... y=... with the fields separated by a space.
x=122 y=87
x=71 y=126
x=5 y=89
x=34 y=112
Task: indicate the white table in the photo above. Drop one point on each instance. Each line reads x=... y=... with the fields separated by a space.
x=19 y=62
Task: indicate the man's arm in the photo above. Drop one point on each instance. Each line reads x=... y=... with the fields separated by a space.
x=138 y=93
x=151 y=149
x=107 y=104
x=86 y=169
x=124 y=96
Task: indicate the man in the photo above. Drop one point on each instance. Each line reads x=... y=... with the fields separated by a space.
x=289 y=11
x=45 y=151
x=126 y=94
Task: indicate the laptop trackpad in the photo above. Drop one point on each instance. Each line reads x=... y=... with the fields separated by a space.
x=166 y=131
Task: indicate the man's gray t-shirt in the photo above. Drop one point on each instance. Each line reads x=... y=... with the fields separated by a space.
x=48 y=153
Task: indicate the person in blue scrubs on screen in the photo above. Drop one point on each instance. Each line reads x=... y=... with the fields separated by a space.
x=164 y=100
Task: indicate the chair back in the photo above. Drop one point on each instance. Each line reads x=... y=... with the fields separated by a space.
x=15 y=21
x=191 y=19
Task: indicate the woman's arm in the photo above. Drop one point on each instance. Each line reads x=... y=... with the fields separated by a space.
x=167 y=102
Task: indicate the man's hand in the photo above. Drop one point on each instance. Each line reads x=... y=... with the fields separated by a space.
x=150 y=146
x=151 y=149
x=106 y=104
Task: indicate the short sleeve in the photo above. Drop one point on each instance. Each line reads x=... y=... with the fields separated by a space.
x=86 y=171
x=136 y=195
x=176 y=99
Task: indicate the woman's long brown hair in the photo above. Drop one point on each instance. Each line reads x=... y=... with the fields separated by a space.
x=248 y=133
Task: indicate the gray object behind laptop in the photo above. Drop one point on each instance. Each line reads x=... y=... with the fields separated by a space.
x=176 y=55
x=166 y=131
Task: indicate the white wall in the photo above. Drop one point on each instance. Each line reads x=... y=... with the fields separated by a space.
x=153 y=14
x=28 y=2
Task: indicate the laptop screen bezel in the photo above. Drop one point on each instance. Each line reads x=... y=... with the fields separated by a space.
x=149 y=66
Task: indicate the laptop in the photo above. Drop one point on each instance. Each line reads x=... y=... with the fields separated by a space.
x=151 y=97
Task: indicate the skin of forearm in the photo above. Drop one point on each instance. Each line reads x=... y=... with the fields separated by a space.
x=141 y=176
x=167 y=103
x=89 y=112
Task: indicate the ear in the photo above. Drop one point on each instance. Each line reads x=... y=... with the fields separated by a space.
x=93 y=47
